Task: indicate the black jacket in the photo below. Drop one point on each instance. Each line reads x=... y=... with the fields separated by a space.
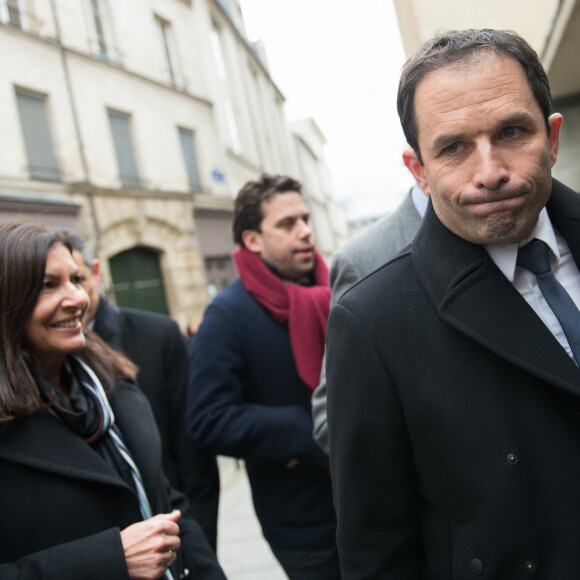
x=454 y=419
x=155 y=344
x=62 y=506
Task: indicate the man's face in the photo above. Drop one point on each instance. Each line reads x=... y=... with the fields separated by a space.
x=286 y=240
x=487 y=157
x=90 y=280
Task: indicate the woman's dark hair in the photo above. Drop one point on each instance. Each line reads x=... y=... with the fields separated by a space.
x=248 y=214
x=459 y=46
x=23 y=253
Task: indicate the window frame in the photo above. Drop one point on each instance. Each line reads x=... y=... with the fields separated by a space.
x=125 y=157
x=37 y=131
x=190 y=159
x=169 y=58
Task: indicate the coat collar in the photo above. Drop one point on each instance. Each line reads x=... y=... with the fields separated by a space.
x=472 y=295
x=107 y=323
x=42 y=441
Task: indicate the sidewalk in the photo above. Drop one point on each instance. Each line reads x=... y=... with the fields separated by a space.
x=242 y=551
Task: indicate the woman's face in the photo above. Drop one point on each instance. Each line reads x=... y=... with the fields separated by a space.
x=54 y=327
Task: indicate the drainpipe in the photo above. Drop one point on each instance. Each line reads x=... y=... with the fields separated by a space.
x=70 y=94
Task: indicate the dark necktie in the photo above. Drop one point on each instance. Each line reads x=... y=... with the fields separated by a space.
x=535 y=258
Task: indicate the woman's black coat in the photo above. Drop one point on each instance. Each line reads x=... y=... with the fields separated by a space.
x=62 y=506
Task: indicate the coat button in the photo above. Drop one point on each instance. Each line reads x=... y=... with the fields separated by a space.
x=476 y=567
x=511 y=459
x=530 y=567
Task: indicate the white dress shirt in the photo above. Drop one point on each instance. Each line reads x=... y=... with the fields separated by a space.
x=505 y=255
x=420 y=200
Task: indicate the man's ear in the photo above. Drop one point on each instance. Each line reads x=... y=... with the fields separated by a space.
x=413 y=164
x=555 y=122
x=96 y=269
x=252 y=240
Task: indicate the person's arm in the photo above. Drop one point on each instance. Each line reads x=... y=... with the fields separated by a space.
x=174 y=353
x=195 y=469
x=343 y=274
x=319 y=421
x=370 y=458
x=220 y=418
x=91 y=558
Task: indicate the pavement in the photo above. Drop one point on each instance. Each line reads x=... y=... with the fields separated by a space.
x=242 y=551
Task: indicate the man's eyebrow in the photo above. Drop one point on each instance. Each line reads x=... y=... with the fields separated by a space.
x=523 y=118
x=443 y=141
x=287 y=218
x=520 y=118
x=294 y=218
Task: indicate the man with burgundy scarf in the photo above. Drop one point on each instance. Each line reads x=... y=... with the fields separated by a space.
x=253 y=366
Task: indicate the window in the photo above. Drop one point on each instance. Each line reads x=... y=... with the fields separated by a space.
x=216 y=44
x=98 y=20
x=168 y=53
x=97 y=28
x=233 y=127
x=38 y=142
x=121 y=131
x=187 y=140
x=219 y=273
x=225 y=4
x=12 y=13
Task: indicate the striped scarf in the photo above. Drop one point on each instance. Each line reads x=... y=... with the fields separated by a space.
x=93 y=420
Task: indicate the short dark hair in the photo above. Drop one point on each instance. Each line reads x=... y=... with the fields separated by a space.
x=248 y=214
x=23 y=255
x=460 y=46
x=79 y=244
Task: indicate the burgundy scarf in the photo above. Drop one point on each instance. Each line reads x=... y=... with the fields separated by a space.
x=305 y=308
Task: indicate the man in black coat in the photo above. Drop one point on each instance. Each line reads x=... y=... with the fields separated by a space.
x=453 y=389
x=157 y=346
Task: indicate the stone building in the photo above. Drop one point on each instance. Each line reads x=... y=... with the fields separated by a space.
x=136 y=122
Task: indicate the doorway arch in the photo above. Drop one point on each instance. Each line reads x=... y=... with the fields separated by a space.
x=137 y=280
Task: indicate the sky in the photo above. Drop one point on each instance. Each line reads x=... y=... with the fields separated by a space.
x=339 y=61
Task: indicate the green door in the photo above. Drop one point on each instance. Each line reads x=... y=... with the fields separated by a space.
x=137 y=281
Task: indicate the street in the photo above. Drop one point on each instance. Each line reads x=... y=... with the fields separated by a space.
x=242 y=550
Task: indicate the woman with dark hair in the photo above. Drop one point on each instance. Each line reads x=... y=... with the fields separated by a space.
x=82 y=492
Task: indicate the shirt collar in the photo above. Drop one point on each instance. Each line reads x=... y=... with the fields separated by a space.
x=420 y=200
x=306 y=280
x=504 y=256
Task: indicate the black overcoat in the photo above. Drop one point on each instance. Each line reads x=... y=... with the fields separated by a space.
x=62 y=506
x=454 y=419
x=157 y=346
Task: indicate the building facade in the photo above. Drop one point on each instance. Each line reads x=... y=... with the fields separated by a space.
x=552 y=27
x=136 y=122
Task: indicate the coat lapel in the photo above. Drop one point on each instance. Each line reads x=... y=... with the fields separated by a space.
x=472 y=295
x=135 y=420
x=564 y=211
x=107 y=324
x=42 y=441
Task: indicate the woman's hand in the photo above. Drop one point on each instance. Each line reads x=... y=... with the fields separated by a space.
x=150 y=546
